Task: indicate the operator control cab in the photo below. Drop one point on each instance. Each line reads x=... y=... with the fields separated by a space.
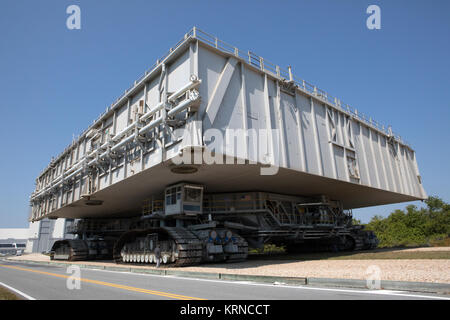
x=183 y=198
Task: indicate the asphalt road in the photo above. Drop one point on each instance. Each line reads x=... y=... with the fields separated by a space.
x=43 y=282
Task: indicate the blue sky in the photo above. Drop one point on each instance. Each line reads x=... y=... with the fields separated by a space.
x=55 y=81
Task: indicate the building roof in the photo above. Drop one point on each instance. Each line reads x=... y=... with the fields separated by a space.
x=14 y=233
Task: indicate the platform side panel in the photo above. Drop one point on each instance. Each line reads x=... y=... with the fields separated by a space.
x=309 y=134
x=229 y=119
x=153 y=154
x=81 y=151
x=134 y=105
x=134 y=163
x=403 y=169
x=153 y=95
x=122 y=118
x=412 y=171
x=410 y=177
x=378 y=159
x=230 y=110
x=256 y=117
x=384 y=152
x=415 y=168
x=361 y=155
x=103 y=180
x=371 y=165
x=153 y=158
x=291 y=131
x=179 y=72
x=394 y=165
x=275 y=143
x=76 y=191
x=209 y=69
x=324 y=142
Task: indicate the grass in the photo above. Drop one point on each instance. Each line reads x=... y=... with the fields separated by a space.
x=7 y=295
x=392 y=255
x=445 y=242
x=384 y=253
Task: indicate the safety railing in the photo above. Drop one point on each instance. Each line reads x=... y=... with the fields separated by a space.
x=210 y=206
x=150 y=206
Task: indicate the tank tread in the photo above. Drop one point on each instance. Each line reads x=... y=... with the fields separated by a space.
x=189 y=254
x=359 y=244
x=190 y=248
x=242 y=253
x=69 y=250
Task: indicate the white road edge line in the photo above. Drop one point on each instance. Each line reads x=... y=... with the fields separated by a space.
x=17 y=291
x=380 y=292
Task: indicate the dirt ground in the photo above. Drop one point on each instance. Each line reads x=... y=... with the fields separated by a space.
x=422 y=270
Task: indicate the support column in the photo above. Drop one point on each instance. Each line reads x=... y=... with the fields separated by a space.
x=281 y=127
x=244 y=109
x=298 y=118
x=316 y=137
x=271 y=149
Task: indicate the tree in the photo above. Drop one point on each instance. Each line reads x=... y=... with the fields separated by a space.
x=413 y=226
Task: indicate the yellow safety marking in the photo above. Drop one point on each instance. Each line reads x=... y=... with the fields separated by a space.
x=119 y=286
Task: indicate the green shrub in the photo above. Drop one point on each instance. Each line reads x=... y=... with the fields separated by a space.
x=413 y=226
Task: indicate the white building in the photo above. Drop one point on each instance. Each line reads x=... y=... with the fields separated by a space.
x=38 y=237
x=12 y=239
x=42 y=234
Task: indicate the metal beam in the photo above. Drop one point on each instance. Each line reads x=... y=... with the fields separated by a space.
x=219 y=91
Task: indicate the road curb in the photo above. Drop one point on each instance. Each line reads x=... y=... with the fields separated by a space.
x=442 y=288
x=193 y=274
x=425 y=287
x=265 y=279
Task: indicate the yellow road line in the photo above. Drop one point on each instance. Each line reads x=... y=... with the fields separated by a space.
x=107 y=284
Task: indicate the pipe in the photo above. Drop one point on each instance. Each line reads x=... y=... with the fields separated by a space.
x=40 y=193
x=123 y=132
x=151 y=125
x=92 y=161
x=74 y=173
x=81 y=162
x=180 y=107
x=75 y=166
x=57 y=180
x=183 y=105
x=158 y=107
x=122 y=143
x=69 y=173
x=104 y=154
x=143 y=130
x=192 y=84
x=56 y=183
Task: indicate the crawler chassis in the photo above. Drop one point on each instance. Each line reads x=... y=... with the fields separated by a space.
x=193 y=227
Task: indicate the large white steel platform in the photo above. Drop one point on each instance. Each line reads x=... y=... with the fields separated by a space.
x=316 y=144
